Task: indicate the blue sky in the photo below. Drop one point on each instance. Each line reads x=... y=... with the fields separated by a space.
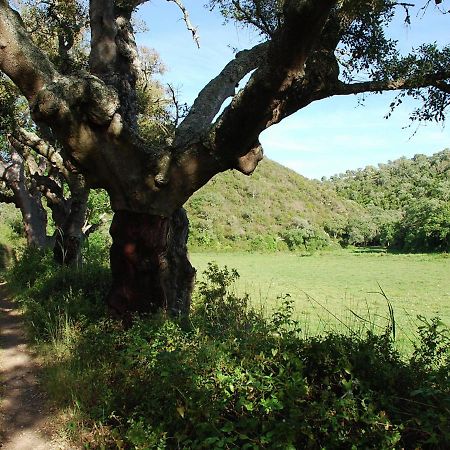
x=325 y=138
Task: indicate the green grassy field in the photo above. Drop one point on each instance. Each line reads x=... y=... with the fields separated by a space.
x=335 y=284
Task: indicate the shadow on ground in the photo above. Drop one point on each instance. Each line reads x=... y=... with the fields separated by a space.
x=22 y=412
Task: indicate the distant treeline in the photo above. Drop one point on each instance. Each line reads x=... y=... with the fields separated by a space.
x=406 y=203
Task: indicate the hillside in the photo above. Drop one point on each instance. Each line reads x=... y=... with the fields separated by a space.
x=411 y=196
x=272 y=209
x=395 y=184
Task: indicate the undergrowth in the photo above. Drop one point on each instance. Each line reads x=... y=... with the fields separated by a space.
x=228 y=377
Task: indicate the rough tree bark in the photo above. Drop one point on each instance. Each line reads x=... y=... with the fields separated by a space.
x=43 y=181
x=27 y=199
x=93 y=116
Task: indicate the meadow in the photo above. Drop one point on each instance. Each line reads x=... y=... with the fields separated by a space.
x=287 y=374
x=333 y=290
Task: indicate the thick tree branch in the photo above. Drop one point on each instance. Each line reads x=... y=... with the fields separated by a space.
x=43 y=148
x=25 y=153
x=20 y=59
x=437 y=80
x=49 y=187
x=103 y=55
x=260 y=104
x=212 y=96
x=114 y=57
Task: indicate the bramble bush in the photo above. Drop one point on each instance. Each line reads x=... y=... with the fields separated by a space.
x=230 y=376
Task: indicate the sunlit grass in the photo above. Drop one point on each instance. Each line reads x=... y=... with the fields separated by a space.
x=344 y=288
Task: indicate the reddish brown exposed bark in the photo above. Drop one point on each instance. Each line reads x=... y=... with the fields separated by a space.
x=149 y=264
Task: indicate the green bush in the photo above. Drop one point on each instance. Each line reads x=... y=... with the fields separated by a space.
x=229 y=376
x=309 y=239
x=50 y=293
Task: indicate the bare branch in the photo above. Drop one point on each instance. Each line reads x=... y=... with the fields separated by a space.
x=211 y=97
x=43 y=148
x=187 y=21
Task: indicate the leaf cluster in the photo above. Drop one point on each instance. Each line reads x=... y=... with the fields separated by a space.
x=264 y=15
x=59 y=27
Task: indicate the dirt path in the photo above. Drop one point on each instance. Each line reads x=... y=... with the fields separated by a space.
x=24 y=417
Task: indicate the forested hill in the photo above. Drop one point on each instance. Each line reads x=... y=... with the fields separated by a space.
x=273 y=209
x=411 y=195
x=395 y=184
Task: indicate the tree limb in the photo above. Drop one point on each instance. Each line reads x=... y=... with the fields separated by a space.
x=43 y=148
x=436 y=80
x=26 y=155
x=20 y=59
x=259 y=105
x=102 y=59
x=49 y=187
x=187 y=21
x=212 y=96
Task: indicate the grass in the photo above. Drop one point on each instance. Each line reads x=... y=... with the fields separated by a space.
x=230 y=376
x=331 y=284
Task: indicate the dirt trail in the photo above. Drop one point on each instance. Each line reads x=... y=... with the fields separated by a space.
x=24 y=417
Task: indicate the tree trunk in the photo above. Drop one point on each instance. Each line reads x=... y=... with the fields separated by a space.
x=70 y=234
x=149 y=263
x=34 y=219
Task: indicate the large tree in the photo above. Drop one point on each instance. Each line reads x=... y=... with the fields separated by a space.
x=309 y=50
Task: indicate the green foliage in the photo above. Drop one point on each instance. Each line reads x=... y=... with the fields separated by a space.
x=265 y=15
x=8 y=108
x=98 y=205
x=303 y=236
x=407 y=204
x=229 y=377
x=426 y=59
x=51 y=293
x=277 y=209
x=426 y=226
x=59 y=27
x=358 y=33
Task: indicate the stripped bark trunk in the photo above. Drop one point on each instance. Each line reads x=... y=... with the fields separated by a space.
x=34 y=218
x=26 y=198
x=149 y=264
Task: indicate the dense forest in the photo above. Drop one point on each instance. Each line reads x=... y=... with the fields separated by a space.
x=402 y=205
x=407 y=203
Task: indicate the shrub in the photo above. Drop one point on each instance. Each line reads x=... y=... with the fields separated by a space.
x=230 y=377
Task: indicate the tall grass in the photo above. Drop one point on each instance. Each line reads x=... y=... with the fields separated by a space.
x=230 y=376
